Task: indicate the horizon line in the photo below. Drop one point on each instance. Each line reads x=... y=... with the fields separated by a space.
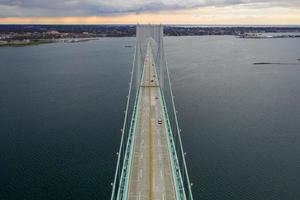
x=134 y=24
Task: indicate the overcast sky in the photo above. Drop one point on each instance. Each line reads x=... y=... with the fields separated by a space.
x=186 y=11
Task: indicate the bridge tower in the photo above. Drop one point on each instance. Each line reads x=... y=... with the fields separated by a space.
x=154 y=35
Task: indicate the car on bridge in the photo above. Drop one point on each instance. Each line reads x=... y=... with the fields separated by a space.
x=159 y=121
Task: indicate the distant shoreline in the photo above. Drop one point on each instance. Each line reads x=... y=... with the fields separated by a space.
x=23 y=43
x=25 y=35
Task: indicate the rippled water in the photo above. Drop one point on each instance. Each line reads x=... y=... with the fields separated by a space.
x=61 y=110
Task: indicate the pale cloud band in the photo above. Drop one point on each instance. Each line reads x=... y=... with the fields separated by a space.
x=50 y=8
x=167 y=11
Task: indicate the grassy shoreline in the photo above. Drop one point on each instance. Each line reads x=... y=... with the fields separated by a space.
x=23 y=43
x=26 y=43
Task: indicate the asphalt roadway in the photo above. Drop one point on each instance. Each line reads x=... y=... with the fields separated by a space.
x=150 y=173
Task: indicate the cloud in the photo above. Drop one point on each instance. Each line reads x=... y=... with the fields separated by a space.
x=58 y=8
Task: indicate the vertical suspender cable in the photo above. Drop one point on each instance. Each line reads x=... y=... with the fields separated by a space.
x=178 y=131
x=124 y=127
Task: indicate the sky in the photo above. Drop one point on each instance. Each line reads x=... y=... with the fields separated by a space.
x=260 y=12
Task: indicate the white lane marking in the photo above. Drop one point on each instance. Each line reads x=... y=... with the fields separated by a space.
x=156 y=188
x=140 y=175
x=153 y=102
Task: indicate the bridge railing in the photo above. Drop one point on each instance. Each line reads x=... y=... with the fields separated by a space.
x=126 y=131
x=176 y=131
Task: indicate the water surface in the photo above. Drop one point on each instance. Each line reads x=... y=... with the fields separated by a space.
x=61 y=110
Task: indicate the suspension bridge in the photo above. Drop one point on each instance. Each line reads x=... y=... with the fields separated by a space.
x=151 y=161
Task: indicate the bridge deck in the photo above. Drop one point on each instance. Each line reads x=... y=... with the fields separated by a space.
x=150 y=174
